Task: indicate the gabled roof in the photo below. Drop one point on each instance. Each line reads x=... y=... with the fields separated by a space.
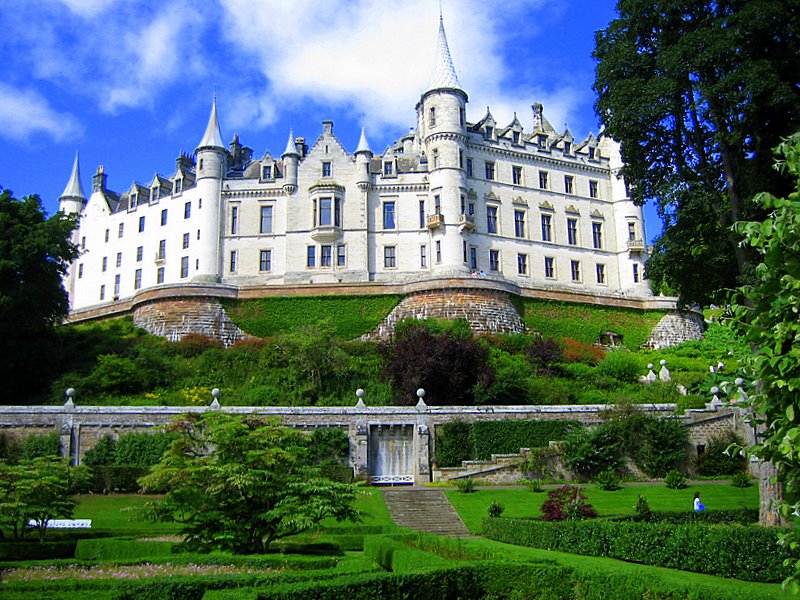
x=74 y=189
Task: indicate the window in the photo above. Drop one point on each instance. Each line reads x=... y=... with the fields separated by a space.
x=464 y=247
x=162 y=250
x=437 y=204
x=519 y=223
x=522 y=264
x=80 y=270
x=184 y=267
x=516 y=175
x=572 y=232
x=567 y=147
x=119 y=259
x=601 y=273
x=234 y=220
x=515 y=137
x=569 y=184
x=461 y=116
x=265 y=225
x=435 y=155
x=266 y=172
x=141 y=224
x=163 y=217
x=139 y=253
x=325 y=255
x=423 y=256
x=83 y=242
x=178 y=187
x=438 y=251
x=543 y=180
x=328 y=211
x=494 y=260
x=185 y=241
x=593 y=189
x=105 y=263
x=116 y=286
x=541 y=139
x=311 y=256
x=490 y=132
x=473 y=257
x=137 y=279
x=469 y=167
x=121 y=230
x=187 y=210
x=432 y=117
x=460 y=158
x=389 y=257
x=597 y=235
x=106 y=236
x=341 y=256
x=575 y=270
x=471 y=209
x=491 y=219
x=102 y=292
x=490 y=170
x=631 y=231
x=388 y=168
x=547 y=228
x=265 y=260
x=591 y=153
x=422 y=214
x=388 y=215
x=198 y=234
x=549 y=267
x=326 y=168
x=635 y=273
x=233 y=261
x=160 y=275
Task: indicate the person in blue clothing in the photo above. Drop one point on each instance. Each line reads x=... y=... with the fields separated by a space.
x=698 y=504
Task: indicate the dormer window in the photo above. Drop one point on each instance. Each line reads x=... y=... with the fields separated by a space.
x=515 y=137
x=541 y=140
x=388 y=168
x=567 y=147
x=489 y=132
x=178 y=186
x=591 y=153
x=266 y=172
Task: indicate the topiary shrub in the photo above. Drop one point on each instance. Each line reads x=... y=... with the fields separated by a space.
x=608 y=481
x=587 y=453
x=567 y=502
x=495 y=509
x=642 y=509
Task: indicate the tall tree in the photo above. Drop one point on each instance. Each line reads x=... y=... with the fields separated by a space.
x=35 y=252
x=698 y=92
x=236 y=483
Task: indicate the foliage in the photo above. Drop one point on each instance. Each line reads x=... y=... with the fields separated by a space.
x=35 y=251
x=642 y=509
x=718 y=460
x=741 y=516
x=567 y=502
x=453 y=443
x=535 y=486
x=39 y=489
x=697 y=93
x=621 y=365
x=545 y=354
x=726 y=550
x=446 y=362
x=117 y=464
x=576 y=351
x=509 y=435
x=495 y=509
x=663 y=446
x=266 y=317
x=590 y=452
x=257 y=485
x=741 y=480
x=511 y=381
x=607 y=480
x=41 y=446
x=586 y=322
x=675 y=480
x=466 y=485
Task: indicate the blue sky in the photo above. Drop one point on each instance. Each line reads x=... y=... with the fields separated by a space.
x=129 y=83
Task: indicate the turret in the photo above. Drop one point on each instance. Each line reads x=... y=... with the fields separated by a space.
x=363 y=158
x=291 y=158
x=211 y=165
x=441 y=127
x=72 y=199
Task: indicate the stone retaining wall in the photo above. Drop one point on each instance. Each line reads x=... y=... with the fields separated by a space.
x=176 y=317
x=676 y=327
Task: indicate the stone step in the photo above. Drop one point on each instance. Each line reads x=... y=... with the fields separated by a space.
x=424 y=510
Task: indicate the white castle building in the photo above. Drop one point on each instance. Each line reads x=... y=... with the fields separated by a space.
x=452 y=199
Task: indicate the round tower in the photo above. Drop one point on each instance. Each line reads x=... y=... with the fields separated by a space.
x=441 y=128
x=210 y=170
x=291 y=158
x=363 y=158
x=72 y=200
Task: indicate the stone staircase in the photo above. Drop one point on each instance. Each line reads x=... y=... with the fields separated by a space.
x=428 y=511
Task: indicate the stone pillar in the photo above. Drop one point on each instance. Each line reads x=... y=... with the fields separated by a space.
x=359 y=451
x=422 y=448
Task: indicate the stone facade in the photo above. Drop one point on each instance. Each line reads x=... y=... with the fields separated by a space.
x=676 y=327
x=177 y=317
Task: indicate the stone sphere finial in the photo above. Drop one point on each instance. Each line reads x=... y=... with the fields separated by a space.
x=650 y=366
x=359 y=393
x=420 y=393
x=662 y=362
x=215 y=401
x=215 y=393
x=70 y=393
x=715 y=390
x=738 y=381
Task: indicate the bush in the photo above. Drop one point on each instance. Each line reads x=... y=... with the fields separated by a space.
x=41 y=446
x=642 y=509
x=24 y=550
x=544 y=355
x=608 y=481
x=465 y=486
x=621 y=365
x=663 y=446
x=749 y=553
x=580 y=352
x=509 y=435
x=110 y=549
x=535 y=486
x=675 y=480
x=590 y=452
x=717 y=461
x=453 y=443
x=741 y=480
x=495 y=509
x=567 y=502
x=740 y=516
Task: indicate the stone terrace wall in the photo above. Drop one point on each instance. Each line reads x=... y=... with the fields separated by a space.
x=174 y=318
x=676 y=327
x=486 y=310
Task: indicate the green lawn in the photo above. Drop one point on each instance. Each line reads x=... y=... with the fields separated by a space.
x=373 y=510
x=119 y=512
x=520 y=502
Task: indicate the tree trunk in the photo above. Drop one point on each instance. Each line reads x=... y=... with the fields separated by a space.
x=768 y=493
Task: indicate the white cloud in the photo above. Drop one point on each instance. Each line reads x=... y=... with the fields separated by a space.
x=25 y=113
x=88 y=8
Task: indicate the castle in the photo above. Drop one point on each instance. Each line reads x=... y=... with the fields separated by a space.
x=452 y=204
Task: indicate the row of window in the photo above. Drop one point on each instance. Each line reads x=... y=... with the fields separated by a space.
x=517 y=178
x=187 y=213
x=137 y=278
x=161 y=254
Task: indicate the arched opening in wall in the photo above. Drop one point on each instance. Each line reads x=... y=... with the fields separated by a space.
x=610 y=339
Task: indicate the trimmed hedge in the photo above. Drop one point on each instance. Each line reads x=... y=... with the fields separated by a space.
x=30 y=550
x=509 y=435
x=740 y=516
x=392 y=554
x=749 y=553
x=103 y=549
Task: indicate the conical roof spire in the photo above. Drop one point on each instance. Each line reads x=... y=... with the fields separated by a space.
x=291 y=147
x=74 y=188
x=363 y=145
x=444 y=73
x=212 y=137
